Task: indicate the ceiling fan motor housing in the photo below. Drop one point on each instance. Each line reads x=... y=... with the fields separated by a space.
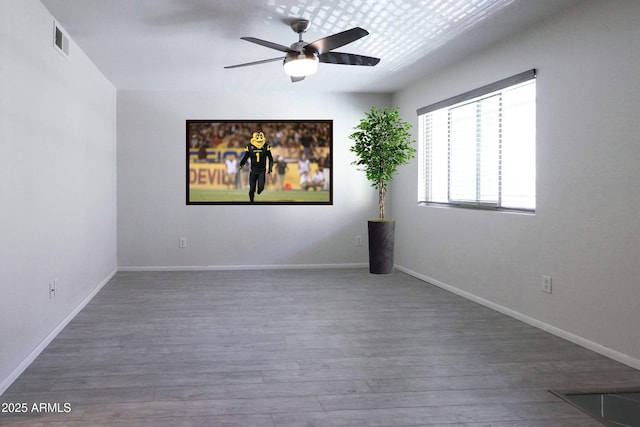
x=300 y=26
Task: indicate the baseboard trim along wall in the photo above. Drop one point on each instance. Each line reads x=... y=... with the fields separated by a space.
x=245 y=267
x=576 y=339
x=4 y=385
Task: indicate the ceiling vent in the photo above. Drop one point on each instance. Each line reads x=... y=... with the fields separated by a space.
x=60 y=40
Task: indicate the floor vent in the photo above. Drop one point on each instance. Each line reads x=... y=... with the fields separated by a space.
x=60 y=40
x=611 y=408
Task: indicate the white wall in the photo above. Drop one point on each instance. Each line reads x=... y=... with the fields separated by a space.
x=152 y=212
x=57 y=182
x=586 y=230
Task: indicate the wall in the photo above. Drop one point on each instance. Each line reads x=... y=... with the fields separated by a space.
x=57 y=183
x=153 y=215
x=585 y=230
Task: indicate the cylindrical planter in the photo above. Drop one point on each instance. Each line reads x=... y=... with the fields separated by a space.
x=381 y=243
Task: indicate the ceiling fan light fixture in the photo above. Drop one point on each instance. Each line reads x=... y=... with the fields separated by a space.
x=301 y=65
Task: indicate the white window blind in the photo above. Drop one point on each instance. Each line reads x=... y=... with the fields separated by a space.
x=478 y=149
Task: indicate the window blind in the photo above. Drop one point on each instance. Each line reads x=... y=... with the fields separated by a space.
x=478 y=148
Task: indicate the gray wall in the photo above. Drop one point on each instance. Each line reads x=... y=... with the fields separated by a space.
x=585 y=231
x=57 y=183
x=152 y=213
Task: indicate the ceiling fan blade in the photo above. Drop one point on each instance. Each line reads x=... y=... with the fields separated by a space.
x=348 y=59
x=296 y=79
x=337 y=40
x=276 y=46
x=264 y=61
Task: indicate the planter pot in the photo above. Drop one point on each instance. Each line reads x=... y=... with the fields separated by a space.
x=381 y=243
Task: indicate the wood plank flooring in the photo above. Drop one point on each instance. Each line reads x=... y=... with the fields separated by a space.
x=301 y=348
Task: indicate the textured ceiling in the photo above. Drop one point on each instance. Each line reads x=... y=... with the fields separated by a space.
x=184 y=44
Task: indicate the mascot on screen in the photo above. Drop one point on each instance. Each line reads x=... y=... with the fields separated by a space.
x=257 y=151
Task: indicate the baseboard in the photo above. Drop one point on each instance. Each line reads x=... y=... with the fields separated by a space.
x=6 y=383
x=243 y=267
x=576 y=339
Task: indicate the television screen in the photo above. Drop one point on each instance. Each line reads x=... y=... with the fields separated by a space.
x=259 y=162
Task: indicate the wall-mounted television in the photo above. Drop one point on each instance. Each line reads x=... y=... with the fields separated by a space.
x=259 y=162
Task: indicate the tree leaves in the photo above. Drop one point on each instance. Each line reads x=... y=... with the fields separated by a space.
x=382 y=144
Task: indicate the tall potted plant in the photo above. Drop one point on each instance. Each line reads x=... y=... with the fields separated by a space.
x=382 y=144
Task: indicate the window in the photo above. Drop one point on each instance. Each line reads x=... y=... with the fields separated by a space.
x=478 y=149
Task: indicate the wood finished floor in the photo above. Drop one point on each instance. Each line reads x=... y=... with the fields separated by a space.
x=303 y=348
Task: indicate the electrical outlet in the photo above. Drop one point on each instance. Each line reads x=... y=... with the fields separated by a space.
x=182 y=242
x=546 y=284
x=53 y=288
x=358 y=240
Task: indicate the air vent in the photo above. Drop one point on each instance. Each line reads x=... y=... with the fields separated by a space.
x=60 y=40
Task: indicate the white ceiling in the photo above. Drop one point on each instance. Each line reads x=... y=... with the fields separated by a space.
x=184 y=44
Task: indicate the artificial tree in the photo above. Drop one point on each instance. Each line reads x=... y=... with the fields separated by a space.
x=382 y=144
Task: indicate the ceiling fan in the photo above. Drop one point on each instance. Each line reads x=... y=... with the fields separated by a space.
x=302 y=58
